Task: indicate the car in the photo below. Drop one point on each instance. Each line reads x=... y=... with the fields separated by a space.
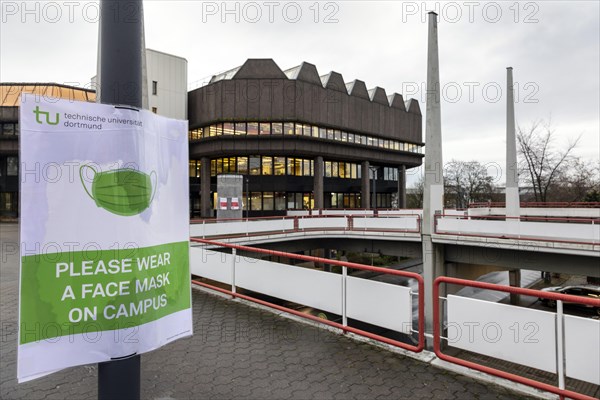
x=587 y=291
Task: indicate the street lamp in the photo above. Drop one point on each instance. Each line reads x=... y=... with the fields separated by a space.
x=374 y=175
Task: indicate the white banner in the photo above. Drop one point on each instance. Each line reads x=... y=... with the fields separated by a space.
x=104 y=234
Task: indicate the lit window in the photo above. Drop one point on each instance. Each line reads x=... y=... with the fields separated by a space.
x=256 y=201
x=328 y=169
x=315 y=131
x=240 y=128
x=277 y=128
x=267 y=165
x=307 y=130
x=288 y=128
x=290 y=166
x=252 y=128
x=228 y=128
x=265 y=128
x=330 y=134
x=337 y=135
x=350 y=137
x=344 y=137
x=323 y=133
x=279 y=165
x=306 y=168
x=298 y=166
x=242 y=165
x=299 y=128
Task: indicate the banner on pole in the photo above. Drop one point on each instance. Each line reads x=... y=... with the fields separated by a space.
x=104 y=234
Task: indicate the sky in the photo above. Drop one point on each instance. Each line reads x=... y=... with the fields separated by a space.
x=553 y=46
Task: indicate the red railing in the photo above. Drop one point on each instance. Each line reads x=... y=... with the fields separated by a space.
x=350 y=226
x=534 y=204
x=421 y=305
x=493 y=371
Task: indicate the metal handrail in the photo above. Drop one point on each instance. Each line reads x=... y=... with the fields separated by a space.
x=493 y=371
x=344 y=264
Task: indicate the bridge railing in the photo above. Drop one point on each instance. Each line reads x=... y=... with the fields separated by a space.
x=564 y=345
x=242 y=227
x=377 y=303
x=584 y=231
x=535 y=204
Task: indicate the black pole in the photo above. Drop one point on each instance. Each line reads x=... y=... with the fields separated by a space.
x=120 y=76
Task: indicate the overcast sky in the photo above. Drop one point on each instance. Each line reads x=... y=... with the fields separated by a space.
x=552 y=45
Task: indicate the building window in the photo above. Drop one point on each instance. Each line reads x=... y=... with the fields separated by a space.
x=228 y=128
x=154 y=87
x=155 y=110
x=277 y=128
x=265 y=128
x=288 y=128
x=256 y=201
x=279 y=165
x=268 y=201
x=242 y=165
x=12 y=166
x=267 y=165
x=254 y=165
x=279 y=201
x=252 y=128
x=240 y=128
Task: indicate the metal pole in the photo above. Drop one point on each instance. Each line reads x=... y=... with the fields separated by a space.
x=120 y=75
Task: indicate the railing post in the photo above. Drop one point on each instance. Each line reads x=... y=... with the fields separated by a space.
x=344 y=317
x=233 y=256
x=560 y=345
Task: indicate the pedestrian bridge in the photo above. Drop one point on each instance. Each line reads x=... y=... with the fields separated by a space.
x=575 y=233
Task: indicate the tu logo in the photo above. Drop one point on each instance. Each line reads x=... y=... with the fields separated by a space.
x=37 y=113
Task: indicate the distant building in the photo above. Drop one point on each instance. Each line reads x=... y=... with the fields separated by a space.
x=301 y=140
x=10 y=97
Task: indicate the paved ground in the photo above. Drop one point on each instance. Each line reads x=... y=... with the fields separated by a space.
x=239 y=352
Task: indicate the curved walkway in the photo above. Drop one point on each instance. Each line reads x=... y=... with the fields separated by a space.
x=241 y=352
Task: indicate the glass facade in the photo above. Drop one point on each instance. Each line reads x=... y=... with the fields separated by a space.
x=299 y=129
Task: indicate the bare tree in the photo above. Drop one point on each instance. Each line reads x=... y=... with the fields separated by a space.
x=466 y=182
x=414 y=195
x=542 y=164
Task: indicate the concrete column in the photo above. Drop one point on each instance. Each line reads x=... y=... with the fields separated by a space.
x=205 y=210
x=514 y=280
x=365 y=195
x=512 y=177
x=402 y=186
x=433 y=197
x=318 y=182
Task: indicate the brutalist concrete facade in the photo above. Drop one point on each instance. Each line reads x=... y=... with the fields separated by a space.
x=260 y=91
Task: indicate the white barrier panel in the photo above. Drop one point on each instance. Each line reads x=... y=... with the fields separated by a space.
x=582 y=348
x=400 y=211
x=542 y=230
x=297 y=213
x=210 y=264
x=378 y=303
x=323 y=223
x=407 y=223
x=322 y=290
x=240 y=227
x=520 y=335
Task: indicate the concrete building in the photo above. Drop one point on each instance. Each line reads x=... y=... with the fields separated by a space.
x=10 y=97
x=165 y=92
x=301 y=140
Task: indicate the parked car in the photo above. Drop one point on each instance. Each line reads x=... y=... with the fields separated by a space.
x=588 y=291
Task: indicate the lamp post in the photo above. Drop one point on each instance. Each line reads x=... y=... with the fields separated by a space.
x=120 y=76
x=374 y=174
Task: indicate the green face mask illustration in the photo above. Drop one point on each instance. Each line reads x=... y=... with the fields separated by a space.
x=123 y=191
